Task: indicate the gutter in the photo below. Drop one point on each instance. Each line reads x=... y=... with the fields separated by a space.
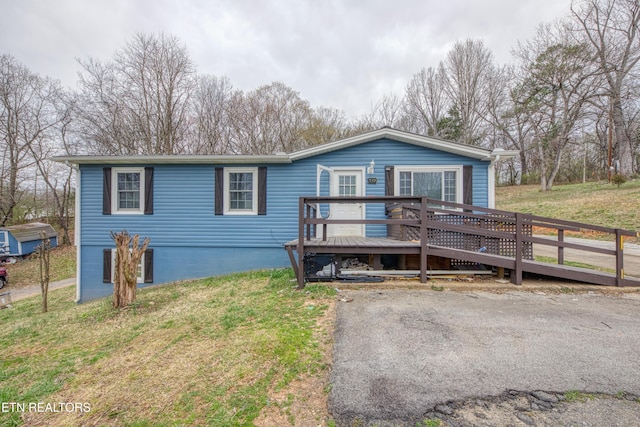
x=173 y=159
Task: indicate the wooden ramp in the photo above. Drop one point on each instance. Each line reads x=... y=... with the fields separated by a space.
x=465 y=233
x=566 y=272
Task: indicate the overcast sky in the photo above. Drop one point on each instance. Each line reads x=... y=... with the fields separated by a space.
x=339 y=53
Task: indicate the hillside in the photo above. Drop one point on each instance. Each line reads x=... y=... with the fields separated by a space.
x=217 y=351
x=596 y=203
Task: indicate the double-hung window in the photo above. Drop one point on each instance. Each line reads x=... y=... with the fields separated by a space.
x=438 y=183
x=128 y=190
x=144 y=272
x=139 y=271
x=241 y=191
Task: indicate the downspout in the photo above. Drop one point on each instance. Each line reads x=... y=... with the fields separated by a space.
x=76 y=234
x=491 y=179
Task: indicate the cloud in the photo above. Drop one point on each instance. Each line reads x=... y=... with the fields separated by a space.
x=338 y=53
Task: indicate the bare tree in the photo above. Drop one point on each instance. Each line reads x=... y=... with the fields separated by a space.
x=610 y=27
x=467 y=71
x=27 y=115
x=102 y=114
x=43 y=251
x=426 y=101
x=388 y=111
x=512 y=121
x=128 y=256
x=558 y=83
x=139 y=103
x=57 y=177
x=270 y=119
x=212 y=115
x=326 y=124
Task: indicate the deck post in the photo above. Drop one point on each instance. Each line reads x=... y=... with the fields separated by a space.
x=619 y=258
x=292 y=260
x=560 y=247
x=423 y=240
x=300 y=275
x=309 y=225
x=517 y=276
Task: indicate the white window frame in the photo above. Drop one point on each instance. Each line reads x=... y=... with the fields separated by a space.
x=443 y=169
x=139 y=279
x=227 y=194
x=114 y=191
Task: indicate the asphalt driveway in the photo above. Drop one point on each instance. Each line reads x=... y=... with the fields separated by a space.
x=398 y=354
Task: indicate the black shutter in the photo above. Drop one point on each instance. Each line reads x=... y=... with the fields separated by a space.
x=467 y=185
x=388 y=184
x=262 y=191
x=148 y=266
x=219 y=190
x=106 y=266
x=388 y=180
x=106 y=191
x=148 y=191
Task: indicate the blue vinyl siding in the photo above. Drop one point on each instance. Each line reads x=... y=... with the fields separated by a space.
x=181 y=263
x=189 y=241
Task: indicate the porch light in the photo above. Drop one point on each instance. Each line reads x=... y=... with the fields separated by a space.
x=371 y=168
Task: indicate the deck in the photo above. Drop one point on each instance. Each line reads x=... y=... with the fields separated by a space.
x=346 y=244
x=469 y=234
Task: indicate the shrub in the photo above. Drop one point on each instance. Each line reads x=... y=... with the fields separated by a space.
x=618 y=179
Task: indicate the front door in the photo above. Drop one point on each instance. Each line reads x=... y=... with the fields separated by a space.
x=347 y=183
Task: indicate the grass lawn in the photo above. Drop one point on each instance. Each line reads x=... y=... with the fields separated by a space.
x=598 y=203
x=221 y=351
x=27 y=271
x=244 y=349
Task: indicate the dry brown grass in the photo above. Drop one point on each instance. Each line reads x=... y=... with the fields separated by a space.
x=202 y=353
x=26 y=272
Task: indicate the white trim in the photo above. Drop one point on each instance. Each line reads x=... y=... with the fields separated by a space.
x=334 y=189
x=179 y=159
x=389 y=133
x=319 y=169
x=114 y=191
x=491 y=184
x=345 y=169
x=254 y=192
x=77 y=234
x=394 y=134
x=458 y=169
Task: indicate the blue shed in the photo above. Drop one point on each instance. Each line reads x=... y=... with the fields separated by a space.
x=208 y=215
x=20 y=240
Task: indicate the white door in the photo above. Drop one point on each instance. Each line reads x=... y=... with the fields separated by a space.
x=347 y=183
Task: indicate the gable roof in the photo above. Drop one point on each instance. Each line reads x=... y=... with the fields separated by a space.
x=398 y=135
x=29 y=232
x=383 y=133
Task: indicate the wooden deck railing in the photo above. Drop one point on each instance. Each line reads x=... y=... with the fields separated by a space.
x=439 y=224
